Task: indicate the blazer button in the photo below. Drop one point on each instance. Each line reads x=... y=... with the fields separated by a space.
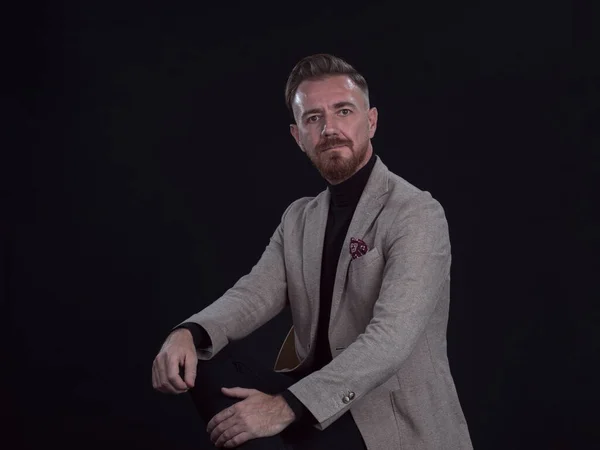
x=345 y=399
x=351 y=395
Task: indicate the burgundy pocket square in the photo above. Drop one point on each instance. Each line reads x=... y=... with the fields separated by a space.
x=357 y=248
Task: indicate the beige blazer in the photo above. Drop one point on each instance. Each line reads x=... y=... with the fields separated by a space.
x=389 y=315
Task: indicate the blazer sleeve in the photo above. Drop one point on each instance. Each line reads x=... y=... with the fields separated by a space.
x=254 y=299
x=418 y=264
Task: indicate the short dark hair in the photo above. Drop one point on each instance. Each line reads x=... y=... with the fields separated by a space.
x=320 y=66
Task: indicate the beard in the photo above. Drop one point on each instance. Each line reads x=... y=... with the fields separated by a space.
x=336 y=167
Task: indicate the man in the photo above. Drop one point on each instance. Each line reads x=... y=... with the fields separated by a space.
x=365 y=267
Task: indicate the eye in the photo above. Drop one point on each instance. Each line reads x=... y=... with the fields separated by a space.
x=345 y=111
x=312 y=119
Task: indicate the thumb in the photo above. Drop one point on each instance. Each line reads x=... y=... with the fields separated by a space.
x=190 y=370
x=237 y=392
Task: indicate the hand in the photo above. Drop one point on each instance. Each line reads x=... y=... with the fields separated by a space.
x=258 y=415
x=177 y=351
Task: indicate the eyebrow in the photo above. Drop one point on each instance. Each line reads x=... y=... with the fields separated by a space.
x=337 y=105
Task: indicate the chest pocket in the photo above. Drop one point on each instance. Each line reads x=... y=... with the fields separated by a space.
x=364 y=278
x=366 y=260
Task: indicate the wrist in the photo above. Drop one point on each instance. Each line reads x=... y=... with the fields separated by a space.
x=182 y=333
x=287 y=412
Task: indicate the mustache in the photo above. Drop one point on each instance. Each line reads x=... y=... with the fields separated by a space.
x=332 y=142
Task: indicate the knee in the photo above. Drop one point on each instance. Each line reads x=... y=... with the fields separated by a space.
x=212 y=373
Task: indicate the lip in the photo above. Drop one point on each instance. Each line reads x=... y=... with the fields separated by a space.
x=333 y=148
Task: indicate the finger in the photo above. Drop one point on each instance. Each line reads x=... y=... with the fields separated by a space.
x=156 y=379
x=163 y=382
x=160 y=387
x=172 y=380
x=237 y=392
x=154 y=376
x=160 y=371
x=237 y=440
x=191 y=363
x=218 y=418
x=229 y=435
x=224 y=428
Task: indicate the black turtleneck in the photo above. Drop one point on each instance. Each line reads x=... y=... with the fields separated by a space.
x=344 y=199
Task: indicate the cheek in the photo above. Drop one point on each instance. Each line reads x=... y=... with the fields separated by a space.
x=357 y=130
x=359 y=134
x=309 y=140
x=366 y=132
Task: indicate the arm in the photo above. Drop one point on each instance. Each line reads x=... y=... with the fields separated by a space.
x=202 y=340
x=254 y=300
x=417 y=266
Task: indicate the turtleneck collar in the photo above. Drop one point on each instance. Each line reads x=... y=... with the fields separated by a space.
x=349 y=191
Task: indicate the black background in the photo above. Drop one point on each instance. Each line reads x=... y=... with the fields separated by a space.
x=152 y=161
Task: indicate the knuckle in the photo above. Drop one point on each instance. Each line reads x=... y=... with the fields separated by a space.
x=172 y=377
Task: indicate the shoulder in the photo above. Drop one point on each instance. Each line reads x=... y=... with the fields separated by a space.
x=298 y=208
x=410 y=205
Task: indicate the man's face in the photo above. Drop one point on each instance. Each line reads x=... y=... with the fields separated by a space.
x=334 y=126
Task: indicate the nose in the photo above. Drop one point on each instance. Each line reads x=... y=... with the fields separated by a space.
x=329 y=128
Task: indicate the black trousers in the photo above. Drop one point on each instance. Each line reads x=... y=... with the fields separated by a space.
x=224 y=370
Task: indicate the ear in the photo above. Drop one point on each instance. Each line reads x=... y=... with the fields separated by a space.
x=372 y=116
x=294 y=132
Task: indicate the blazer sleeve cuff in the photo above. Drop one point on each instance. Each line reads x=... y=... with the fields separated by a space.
x=301 y=411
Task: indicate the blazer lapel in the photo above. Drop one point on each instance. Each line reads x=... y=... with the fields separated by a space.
x=312 y=253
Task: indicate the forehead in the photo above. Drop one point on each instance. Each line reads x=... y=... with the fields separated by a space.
x=320 y=93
